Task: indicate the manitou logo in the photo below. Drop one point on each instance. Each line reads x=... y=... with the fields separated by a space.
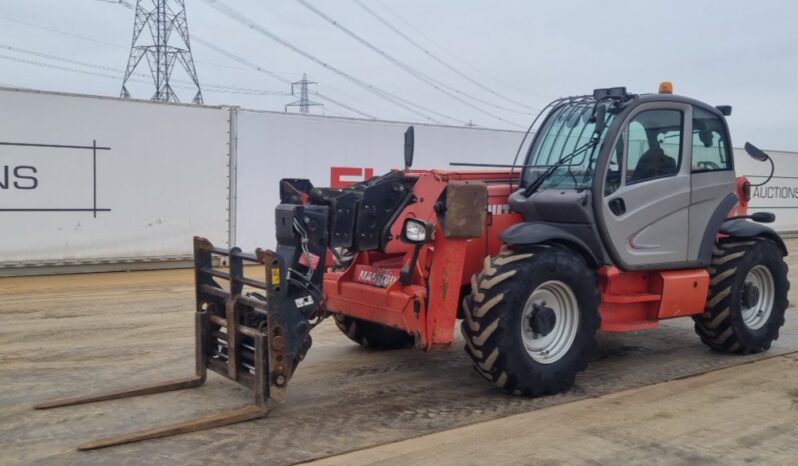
x=346 y=176
x=376 y=277
x=381 y=279
x=498 y=209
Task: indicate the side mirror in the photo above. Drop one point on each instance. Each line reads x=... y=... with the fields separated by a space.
x=763 y=217
x=409 y=146
x=758 y=217
x=599 y=116
x=756 y=153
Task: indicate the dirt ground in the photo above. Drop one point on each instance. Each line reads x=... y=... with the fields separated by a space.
x=64 y=335
x=746 y=414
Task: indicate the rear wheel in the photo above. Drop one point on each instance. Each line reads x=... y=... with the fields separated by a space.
x=531 y=319
x=747 y=296
x=372 y=335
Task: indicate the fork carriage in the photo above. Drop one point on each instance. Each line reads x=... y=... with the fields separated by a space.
x=236 y=336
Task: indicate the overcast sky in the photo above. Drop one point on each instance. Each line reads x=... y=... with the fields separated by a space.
x=741 y=53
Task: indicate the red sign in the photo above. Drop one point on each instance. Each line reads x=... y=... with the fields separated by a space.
x=345 y=176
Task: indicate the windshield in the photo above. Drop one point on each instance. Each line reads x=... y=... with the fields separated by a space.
x=566 y=130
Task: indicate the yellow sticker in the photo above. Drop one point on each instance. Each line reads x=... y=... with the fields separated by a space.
x=275 y=276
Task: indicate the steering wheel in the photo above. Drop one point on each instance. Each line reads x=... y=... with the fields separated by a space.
x=707 y=165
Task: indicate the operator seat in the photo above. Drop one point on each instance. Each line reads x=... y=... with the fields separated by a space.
x=654 y=163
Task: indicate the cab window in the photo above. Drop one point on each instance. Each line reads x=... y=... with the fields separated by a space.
x=654 y=140
x=710 y=146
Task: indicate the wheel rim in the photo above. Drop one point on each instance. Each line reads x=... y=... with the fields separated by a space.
x=756 y=312
x=559 y=298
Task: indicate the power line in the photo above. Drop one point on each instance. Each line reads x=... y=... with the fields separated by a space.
x=124 y=3
x=406 y=104
x=56 y=67
x=92 y=73
x=63 y=33
x=216 y=87
x=396 y=100
x=333 y=113
x=350 y=97
x=241 y=60
x=13 y=86
x=62 y=59
x=213 y=88
x=441 y=61
x=72 y=70
x=276 y=76
x=425 y=78
x=451 y=54
x=97 y=41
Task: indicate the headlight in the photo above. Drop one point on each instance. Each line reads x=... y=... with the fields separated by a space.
x=416 y=231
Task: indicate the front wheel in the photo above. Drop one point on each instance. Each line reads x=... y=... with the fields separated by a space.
x=531 y=319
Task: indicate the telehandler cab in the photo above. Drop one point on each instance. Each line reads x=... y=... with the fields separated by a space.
x=626 y=211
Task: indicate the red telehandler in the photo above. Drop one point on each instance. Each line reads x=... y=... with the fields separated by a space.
x=625 y=211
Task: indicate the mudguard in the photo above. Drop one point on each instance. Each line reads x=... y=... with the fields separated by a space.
x=538 y=232
x=741 y=228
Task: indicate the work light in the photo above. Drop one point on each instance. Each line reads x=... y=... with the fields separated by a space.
x=416 y=231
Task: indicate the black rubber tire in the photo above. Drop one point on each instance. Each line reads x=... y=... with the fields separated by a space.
x=721 y=326
x=373 y=335
x=492 y=325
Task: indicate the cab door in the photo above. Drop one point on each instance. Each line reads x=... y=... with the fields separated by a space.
x=646 y=211
x=713 y=182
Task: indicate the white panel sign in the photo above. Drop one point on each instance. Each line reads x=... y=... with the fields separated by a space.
x=330 y=151
x=780 y=194
x=86 y=179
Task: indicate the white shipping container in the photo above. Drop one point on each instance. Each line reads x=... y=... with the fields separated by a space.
x=158 y=176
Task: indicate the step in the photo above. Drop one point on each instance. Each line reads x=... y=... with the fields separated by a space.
x=630 y=298
x=628 y=326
